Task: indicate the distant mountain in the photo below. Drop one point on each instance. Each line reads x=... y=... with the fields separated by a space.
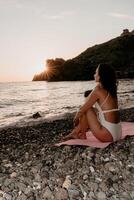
x=118 y=52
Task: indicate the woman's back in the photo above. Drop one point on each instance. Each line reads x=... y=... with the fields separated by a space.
x=109 y=106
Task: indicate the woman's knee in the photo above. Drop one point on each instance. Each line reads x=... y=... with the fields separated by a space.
x=91 y=113
x=91 y=110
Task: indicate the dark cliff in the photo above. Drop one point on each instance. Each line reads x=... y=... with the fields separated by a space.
x=118 y=52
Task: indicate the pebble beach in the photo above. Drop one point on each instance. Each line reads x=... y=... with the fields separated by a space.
x=32 y=168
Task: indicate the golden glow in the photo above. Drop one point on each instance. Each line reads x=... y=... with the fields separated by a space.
x=45 y=68
x=50 y=72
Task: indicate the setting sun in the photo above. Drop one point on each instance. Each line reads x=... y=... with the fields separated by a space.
x=45 y=68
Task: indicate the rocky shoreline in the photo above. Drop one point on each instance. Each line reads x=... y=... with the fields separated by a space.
x=31 y=168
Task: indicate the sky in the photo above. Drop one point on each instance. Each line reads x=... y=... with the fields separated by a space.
x=32 y=31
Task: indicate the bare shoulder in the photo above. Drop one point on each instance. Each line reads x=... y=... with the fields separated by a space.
x=100 y=92
x=97 y=89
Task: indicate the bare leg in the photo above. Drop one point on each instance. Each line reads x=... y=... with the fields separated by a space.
x=83 y=127
x=80 y=130
x=74 y=134
x=100 y=132
x=89 y=120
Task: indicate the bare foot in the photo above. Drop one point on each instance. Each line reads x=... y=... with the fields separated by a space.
x=71 y=135
x=75 y=135
x=82 y=136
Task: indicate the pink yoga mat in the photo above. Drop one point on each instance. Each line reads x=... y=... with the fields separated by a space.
x=92 y=141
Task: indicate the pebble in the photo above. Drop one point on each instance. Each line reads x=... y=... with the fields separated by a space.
x=8 y=165
x=106 y=159
x=36 y=185
x=103 y=186
x=13 y=175
x=111 y=168
x=85 y=177
x=91 y=169
x=73 y=194
x=67 y=182
x=32 y=169
x=98 y=180
x=1 y=193
x=28 y=190
x=7 y=182
x=7 y=196
x=132 y=194
x=47 y=194
x=61 y=194
x=101 y=196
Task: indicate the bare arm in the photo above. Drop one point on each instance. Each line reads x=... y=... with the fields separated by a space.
x=92 y=98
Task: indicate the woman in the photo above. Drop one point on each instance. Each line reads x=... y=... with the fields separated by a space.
x=100 y=112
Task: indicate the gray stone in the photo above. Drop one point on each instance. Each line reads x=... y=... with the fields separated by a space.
x=101 y=196
x=7 y=196
x=5 y=189
x=85 y=177
x=125 y=195
x=115 y=178
x=98 y=180
x=28 y=181
x=132 y=194
x=21 y=186
x=13 y=175
x=67 y=148
x=1 y=193
x=23 y=196
x=91 y=194
x=28 y=190
x=103 y=186
x=112 y=168
x=36 y=185
x=93 y=186
x=115 y=197
x=73 y=194
x=2 y=180
x=115 y=186
x=106 y=159
x=61 y=194
x=91 y=169
x=26 y=155
x=47 y=194
x=37 y=178
x=7 y=182
x=8 y=165
x=12 y=186
x=34 y=170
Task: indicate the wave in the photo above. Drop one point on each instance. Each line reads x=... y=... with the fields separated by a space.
x=14 y=115
x=37 y=90
x=124 y=92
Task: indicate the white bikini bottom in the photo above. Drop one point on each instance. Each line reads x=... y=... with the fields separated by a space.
x=113 y=128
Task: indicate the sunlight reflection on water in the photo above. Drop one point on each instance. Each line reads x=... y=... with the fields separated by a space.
x=21 y=100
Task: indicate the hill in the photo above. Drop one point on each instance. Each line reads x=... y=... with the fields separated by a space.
x=118 y=52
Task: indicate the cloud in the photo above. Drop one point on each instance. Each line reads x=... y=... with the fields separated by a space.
x=121 y=16
x=68 y=12
x=61 y=15
x=53 y=17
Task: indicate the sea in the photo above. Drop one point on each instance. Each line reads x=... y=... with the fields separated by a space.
x=53 y=100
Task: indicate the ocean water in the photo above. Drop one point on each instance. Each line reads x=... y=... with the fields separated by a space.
x=20 y=100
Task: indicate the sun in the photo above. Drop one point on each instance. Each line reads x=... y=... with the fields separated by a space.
x=45 y=68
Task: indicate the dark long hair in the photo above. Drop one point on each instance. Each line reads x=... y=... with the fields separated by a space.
x=108 y=78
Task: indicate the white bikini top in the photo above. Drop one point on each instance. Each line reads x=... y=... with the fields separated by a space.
x=99 y=107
